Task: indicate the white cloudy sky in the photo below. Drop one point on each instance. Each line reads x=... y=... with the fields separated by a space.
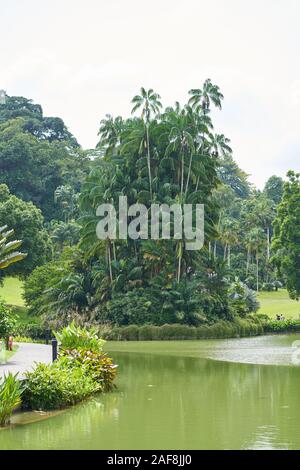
x=82 y=59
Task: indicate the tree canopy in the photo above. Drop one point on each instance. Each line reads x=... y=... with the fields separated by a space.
x=286 y=242
x=27 y=221
x=37 y=155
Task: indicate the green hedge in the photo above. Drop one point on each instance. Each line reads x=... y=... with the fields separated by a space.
x=222 y=329
x=281 y=326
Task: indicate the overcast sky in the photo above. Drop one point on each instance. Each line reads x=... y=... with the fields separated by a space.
x=82 y=59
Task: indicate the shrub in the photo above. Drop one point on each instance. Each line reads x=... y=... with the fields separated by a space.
x=134 y=307
x=250 y=326
x=7 y=320
x=242 y=299
x=97 y=365
x=30 y=330
x=268 y=287
x=276 y=326
x=26 y=339
x=38 y=282
x=76 y=337
x=10 y=397
x=56 y=386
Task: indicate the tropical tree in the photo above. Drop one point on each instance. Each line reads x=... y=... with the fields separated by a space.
x=201 y=98
x=149 y=102
x=286 y=240
x=28 y=224
x=274 y=189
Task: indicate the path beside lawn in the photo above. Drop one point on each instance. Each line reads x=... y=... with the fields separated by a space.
x=25 y=358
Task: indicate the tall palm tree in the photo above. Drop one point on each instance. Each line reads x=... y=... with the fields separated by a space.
x=201 y=98
x=229 y=236
x=254 y=243
x=150 y=103
x=110 y=132
x=220 y=145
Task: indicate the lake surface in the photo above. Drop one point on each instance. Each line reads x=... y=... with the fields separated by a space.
x=222 y=394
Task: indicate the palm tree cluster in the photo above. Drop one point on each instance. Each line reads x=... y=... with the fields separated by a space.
x=163 y=156
x=245 y=230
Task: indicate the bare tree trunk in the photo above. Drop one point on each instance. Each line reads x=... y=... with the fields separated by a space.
x=215 y=249
x=209 y=249
x=228 y=255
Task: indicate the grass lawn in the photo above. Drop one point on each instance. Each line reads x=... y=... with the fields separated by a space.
x=11 y=291
x=273 y=303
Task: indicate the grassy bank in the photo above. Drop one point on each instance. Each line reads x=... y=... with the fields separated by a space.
x=271 y=304
x=11 y=291
x=277 y=303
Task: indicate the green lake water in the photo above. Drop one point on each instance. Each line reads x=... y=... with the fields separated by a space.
x=222 y=394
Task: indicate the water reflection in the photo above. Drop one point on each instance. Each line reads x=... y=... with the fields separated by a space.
x=176 y=402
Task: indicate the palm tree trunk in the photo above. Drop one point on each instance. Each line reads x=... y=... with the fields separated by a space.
x=109 y=262
x=114 y=251
x=257 y=287
x=189 y=174
x=215 y=249
x=225 y=251
x=209 y=249
x=182 y=176
x=248 y=261
x=228 y=256
x=148 y=159
x=179 y=261
x=268 y=243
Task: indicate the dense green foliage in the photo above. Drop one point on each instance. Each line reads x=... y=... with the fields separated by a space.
x=164 y=156
x=56 y=386
x=160 y=155
x=27 y=222
x=286 y=242
x=281 y=326
x=76 y=337
x=222 y=329
x=7 y=320
x=38 y=155
x=10 y=397
x=95 y=364
x=40 y=280
x=81 y=370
